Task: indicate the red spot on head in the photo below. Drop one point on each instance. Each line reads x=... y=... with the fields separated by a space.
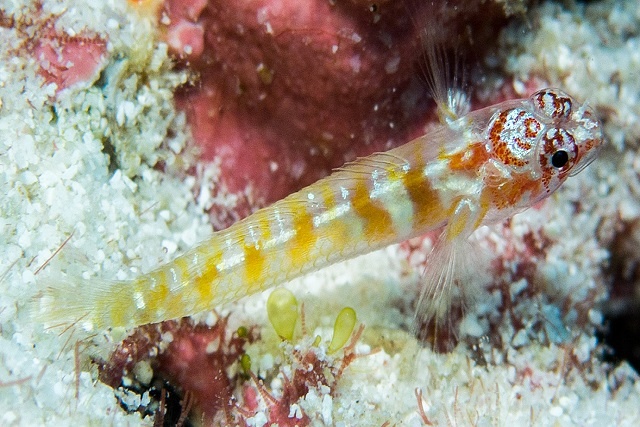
x=532 y=127
x=512 y=134
x=553 y=103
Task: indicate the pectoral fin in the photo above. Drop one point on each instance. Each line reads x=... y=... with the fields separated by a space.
x=450 y=279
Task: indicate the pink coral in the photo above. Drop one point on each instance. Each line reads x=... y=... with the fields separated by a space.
x=288 y=90
x=63 y=58
x=66 y=60
x=197 y=359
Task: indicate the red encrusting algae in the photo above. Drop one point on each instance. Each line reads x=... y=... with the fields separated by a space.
x=288 y=90
x=64 y=58
x=194 y=358
x=198 y=362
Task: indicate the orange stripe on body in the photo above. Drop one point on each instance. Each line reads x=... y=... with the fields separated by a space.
x=204 y=282
x=458 y=221
x=156 y=297
x=117 y=314
x=254 y=262
x=254 y=252
x=377 y=221
x=510 y=191
x=469 y=160
x=339 y=233
x=427 y=208
x=305 y=237
x=485 y=204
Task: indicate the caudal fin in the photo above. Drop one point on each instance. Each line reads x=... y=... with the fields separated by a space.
x=75 y=301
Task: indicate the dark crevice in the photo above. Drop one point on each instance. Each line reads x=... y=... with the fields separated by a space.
x=621 y=334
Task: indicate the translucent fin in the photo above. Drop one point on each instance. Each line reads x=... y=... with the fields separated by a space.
x=363 y=167
x=69 y=302
x=439 y=284
x=450 y=280
x=441 y=66
x=445 y=81
x=443 y=72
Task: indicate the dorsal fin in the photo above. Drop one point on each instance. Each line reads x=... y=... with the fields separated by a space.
x=441 y=66
x=364 y=166
x=443 y=72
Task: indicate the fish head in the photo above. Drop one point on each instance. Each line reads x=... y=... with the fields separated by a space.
x=543 y=139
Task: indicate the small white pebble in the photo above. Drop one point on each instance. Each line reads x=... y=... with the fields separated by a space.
x=556 y=411
x=143 y=372
x=595 y=317
x=9 y=417
x=295 y=411
x=327 y=409
x=258 y=420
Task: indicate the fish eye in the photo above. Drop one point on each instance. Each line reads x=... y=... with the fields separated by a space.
x=559 y=159
x=558 y=151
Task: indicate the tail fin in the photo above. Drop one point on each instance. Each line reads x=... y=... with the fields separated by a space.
x=70 y=301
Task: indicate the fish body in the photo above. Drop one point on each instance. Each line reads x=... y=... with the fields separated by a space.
x=476 y=169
